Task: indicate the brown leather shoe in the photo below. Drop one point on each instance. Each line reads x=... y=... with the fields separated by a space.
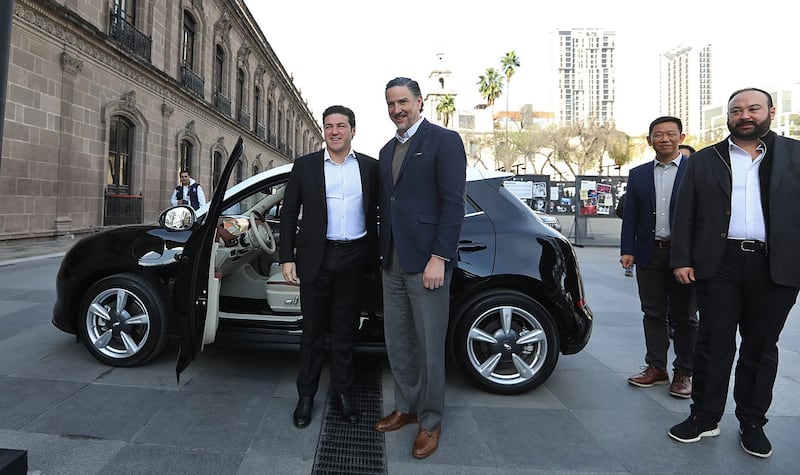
x=650 y=376
x=681 y=385
x=395 y=420
x=426 y=443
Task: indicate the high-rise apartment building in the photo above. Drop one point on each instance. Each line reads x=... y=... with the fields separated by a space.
x=586 y=77
x=686 y=85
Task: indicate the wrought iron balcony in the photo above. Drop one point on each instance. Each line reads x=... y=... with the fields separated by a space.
x=261 y=131
x=129 y=37
x=244 y=119
x=222 y=103
x=122 y=209
x=192 y=81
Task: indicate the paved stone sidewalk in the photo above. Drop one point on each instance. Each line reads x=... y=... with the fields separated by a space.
x=24 y=250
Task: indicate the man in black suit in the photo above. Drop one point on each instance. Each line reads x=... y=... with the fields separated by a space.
x=422 y=181
x=336 y=191
x=735 y=235
x=645 y=240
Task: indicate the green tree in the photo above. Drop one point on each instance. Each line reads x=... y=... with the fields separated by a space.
x=445 y=108
x=509 y=63
x=490 y=87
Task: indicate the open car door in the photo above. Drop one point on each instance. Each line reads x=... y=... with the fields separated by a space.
x=192 y=286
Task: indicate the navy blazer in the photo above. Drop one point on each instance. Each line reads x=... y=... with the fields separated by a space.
x=422 y=213
x=703 y=212
x=306 y=188
x=639 y=217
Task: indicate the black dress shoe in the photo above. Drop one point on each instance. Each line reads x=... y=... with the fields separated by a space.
x=343 y=404
x=302 y=413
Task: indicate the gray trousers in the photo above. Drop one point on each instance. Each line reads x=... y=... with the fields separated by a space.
x=415 y=326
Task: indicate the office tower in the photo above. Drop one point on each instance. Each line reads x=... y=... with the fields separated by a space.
x=586 y=77
x=686 y=85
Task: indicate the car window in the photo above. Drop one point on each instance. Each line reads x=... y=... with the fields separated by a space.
x=263 y=199
x=470 y=207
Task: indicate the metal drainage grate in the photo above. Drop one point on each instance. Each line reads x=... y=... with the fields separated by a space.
x=354 y=449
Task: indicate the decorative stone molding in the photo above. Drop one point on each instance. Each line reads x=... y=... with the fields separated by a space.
x=198 y=4
x=167 y=110
x=258 y=77
x=70 y=63
x=190 y=127
x=243 y=53
x=223 y=26
x=128 y=101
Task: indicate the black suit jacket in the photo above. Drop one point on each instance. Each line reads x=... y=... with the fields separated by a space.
x=423 y=212
x=703 y=211
x=639 y=212
x=306 y=189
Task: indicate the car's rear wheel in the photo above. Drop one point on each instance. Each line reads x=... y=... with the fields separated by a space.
x=505 y=342
x=123 y=321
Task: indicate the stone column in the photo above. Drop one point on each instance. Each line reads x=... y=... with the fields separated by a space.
x=70 y=67
x=168 y=158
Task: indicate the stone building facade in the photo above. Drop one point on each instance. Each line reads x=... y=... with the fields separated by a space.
x=108 y=99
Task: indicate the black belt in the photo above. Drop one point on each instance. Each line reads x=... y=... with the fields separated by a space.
x=662 y=244
x=344 y=243
x=749 y=245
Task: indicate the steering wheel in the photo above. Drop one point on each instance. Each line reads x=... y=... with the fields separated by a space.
x=262 y=232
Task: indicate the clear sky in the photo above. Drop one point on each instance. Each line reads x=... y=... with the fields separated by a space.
x=345 y=52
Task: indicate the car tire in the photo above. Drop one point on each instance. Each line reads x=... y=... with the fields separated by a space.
x=505 y=342
x=123 y=321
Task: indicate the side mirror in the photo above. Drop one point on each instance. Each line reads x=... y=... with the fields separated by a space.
x=179 y=218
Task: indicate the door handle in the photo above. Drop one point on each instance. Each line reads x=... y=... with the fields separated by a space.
x=469 y=246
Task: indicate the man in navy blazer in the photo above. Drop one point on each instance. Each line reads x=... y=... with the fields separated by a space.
x=422 y=180
x=336 y=192
x=650 y=198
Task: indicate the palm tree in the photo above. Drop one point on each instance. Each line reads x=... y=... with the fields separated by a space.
x=509 y=63
x=445 y=108
x=490 y=87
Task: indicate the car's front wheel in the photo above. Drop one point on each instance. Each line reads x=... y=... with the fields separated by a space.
x=505 y=342
x=123 y=321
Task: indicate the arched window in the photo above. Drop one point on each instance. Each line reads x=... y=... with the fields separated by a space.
x=217 y=168
x=219 y=68
x=288 y=135
x=269 y=121
x=239 y=94
x=187 y=156
x=189 y=36
x=278 y=125
x=256 y=108
x=120 y=149
x=239 y=171
x=126 y=10
x=256 y=169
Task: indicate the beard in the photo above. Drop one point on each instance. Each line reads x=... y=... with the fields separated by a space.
x=759 y=128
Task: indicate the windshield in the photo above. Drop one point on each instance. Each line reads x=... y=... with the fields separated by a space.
x=242 y=203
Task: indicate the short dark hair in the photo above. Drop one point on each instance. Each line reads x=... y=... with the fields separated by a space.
x=664 y=119
x=184 y=170
x=769 y=97
x=346 y=111
x=411 y=84
x=686 y=147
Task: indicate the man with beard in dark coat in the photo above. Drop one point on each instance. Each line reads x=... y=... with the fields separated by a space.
x=735 y=235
